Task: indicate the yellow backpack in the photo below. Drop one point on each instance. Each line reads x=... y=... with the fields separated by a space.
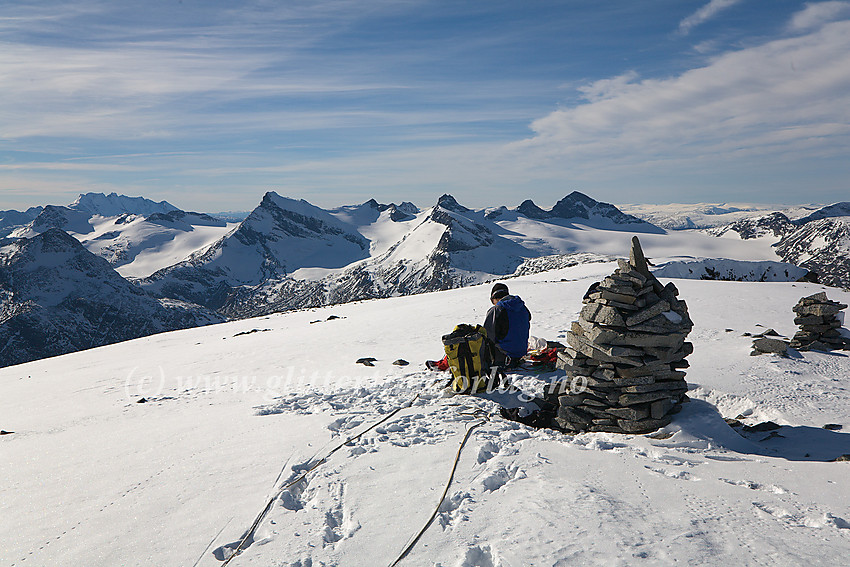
x=470 y=357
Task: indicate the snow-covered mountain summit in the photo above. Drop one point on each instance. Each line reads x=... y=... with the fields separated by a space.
x=135 y=242
x=819 y=242
x=280 y=236
x=114 y=204
x=581 y=209
x=58 y=297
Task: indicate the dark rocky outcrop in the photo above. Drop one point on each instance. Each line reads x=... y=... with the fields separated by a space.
x=57 y=297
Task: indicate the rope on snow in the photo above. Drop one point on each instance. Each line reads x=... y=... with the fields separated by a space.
x=249 y=534
x=484 y=419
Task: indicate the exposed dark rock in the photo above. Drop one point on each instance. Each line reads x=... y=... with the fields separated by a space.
x=765 y=345
x=532 y=211
x=57 y=297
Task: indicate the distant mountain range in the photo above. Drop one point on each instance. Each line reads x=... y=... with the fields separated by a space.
x=57 y=297
x=136 y=235
x=111 y=267
x=819 y=242
x=290 y=254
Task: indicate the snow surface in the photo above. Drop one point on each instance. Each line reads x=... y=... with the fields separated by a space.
x=91 y=477
x=677 y=216
x=134 y=245
x=554 y=238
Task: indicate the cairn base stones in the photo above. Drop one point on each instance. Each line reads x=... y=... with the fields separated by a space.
x=626 y=354
x=819 y=324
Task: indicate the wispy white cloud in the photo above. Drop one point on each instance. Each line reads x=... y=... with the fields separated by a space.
x=816 y=14
x=66 y=166
x=786 y=99
x=704 y=14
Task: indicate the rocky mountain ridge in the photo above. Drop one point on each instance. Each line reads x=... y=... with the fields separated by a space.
x=272 y=262
x=120 y=229
x=818 y=242
x=57 y=297
x=289 y=254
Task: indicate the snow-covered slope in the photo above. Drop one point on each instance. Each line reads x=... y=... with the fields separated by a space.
x=822 y=246
x=57 y=297
x=236 y=411
x=819 y=242
x=136 y=235
x=676 y=216
x=11 y=219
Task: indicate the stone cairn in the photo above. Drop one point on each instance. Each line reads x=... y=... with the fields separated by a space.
x=628 y=347
x=819 y=324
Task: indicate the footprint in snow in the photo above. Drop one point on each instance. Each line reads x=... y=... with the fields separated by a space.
x=451 y=508
x=480 y=556
x=752 y=485
x=678 y=475
x=501 y=476
x=805 y=519
x=487 y=452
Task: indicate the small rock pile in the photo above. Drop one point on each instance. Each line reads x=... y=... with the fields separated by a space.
x=628 y=347
x=819 y=324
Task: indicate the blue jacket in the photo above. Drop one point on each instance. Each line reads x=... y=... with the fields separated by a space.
x=508 y=324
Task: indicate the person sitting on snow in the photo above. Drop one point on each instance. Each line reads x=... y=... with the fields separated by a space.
x=508 y=323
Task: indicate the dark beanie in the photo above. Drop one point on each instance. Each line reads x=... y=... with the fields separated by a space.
x=499 y=291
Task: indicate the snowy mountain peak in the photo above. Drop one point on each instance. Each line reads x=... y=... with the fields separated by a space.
x=277 y=216
x=577 y=205
x=114 y=204
x=57 y=297
x=408 y=207
x=776 y=224
x=835 y=210
x=280 y=236
x=11 y=219
x=368 y=212
x=64 y=218
x=53 y=242
x=449 y=203
x=529 y=209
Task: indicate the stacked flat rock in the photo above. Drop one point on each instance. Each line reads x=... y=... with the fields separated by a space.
x=817 y=317
x=629 y=347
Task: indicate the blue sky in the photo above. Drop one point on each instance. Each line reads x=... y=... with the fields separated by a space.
x=209 y=104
